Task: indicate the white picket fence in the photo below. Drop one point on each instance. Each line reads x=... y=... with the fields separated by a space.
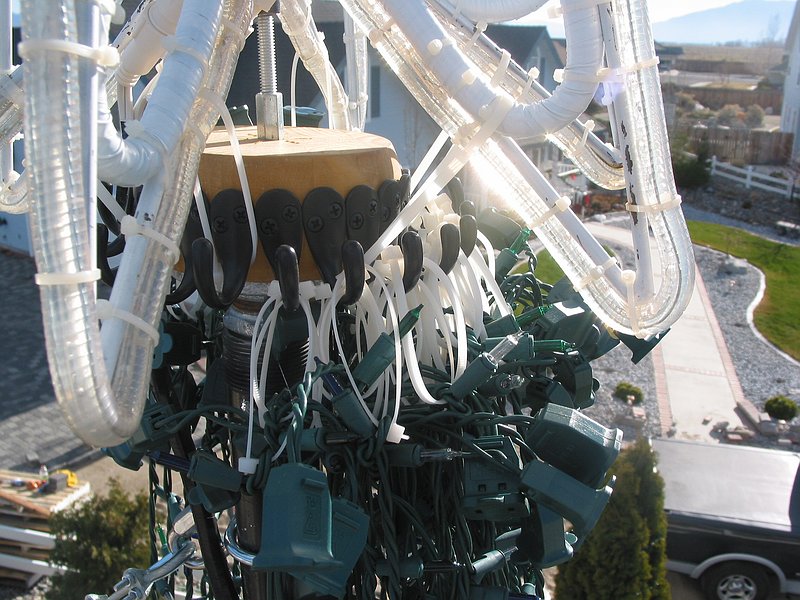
x=751 y=178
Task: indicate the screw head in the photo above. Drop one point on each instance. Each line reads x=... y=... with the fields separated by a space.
x=290 y=214
x=315 y=224
x=240 y=214
x=269 y=227
x=357 y=221
x=373 y=208
x=335 y=210
x=220 y=224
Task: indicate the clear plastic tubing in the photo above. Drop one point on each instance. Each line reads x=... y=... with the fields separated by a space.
x=419 y=30
x=102 y=410
x=604 y=287
x=599 y=162
x=357 y=71
x=301 y=29
x=497 y=11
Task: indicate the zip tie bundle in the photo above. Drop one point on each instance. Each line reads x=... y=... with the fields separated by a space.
x=107 y=56
x=616 y=74
x=130 y=226
x=653 y=208
x=106 y=310
x=629 y=279
x=67 y=278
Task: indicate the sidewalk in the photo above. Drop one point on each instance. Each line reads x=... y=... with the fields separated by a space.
x=696 y=382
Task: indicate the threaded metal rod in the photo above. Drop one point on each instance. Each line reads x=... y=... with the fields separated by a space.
x=265 y=26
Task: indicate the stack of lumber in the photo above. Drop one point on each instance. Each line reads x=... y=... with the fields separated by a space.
x=25 y=538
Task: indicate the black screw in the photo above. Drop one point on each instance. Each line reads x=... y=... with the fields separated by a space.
x=269 y=227
x=240 y=214
x=315 y=224
x=373 y=208
x=290 y=214
x=357 y=221
x=335 y=210
x=220 y=225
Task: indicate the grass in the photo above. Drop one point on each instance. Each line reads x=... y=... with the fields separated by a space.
x=777 y=317
x=547 y=268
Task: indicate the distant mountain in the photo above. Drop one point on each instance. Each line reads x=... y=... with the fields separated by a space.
x=749 y=21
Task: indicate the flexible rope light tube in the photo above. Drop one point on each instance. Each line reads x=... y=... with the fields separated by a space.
x=606 y=289
x=101 y=386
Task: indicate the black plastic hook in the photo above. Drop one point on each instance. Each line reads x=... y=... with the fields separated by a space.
x=279 y=219
x=363 y=215
x=326 y=230
x=231 y=232
x=455 y=190
x=468 y=227
x=451 y=246
x=354 y=272
x=411 y=245
x=192 y=231
x=288 y=273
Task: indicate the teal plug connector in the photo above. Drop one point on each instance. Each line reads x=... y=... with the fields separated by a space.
x=212 y=498
x=492 y=493
x=574 y=443
x=381 y=355
x=480 y=370
x=349 y=409
x=350 y=529
x=542 y=541
x=297 y=521
x=414 y=455
x=508 y=257
x=207 y=469
x=579 y=504
x=502 y=327
x=489 y=562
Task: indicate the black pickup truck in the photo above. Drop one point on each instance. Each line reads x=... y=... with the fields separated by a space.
x=733 y=515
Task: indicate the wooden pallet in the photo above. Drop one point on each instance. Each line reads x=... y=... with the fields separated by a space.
x=25 y=539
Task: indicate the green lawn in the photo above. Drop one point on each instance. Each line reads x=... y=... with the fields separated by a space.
x=778 y=315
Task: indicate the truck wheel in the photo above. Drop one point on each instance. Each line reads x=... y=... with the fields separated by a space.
x=736 y=581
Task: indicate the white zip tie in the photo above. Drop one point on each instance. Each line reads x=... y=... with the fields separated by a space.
x=502 y=68
x=44 y=279
x=135 y=129
x=109 y=202
x=596 y=273
x=533 y=75
x=588 y=127
x=560 y=206
x=106 y=311
x=378 y=33
x=480 y=28
x=629 y=278
x=130 y=226
x=653 y=208
x=105 y=56
x=173 y=44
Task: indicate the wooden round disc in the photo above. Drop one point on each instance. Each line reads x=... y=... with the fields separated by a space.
x=305 y=159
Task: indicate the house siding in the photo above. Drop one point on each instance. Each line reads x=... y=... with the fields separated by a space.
x=790 y=114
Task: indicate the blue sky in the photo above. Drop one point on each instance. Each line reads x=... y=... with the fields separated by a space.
x=660 y=10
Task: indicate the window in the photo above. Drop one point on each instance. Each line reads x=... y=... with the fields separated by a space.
x=374 y=92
